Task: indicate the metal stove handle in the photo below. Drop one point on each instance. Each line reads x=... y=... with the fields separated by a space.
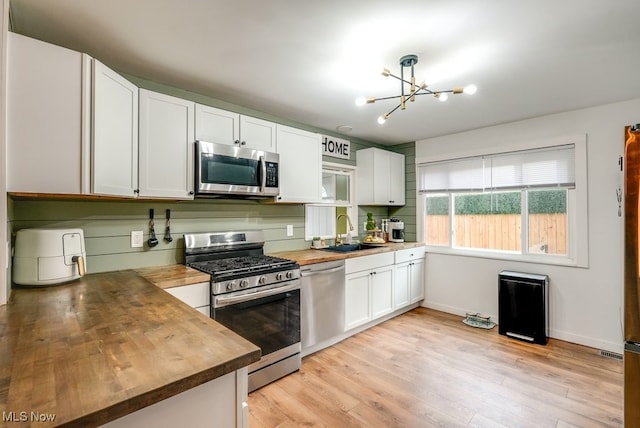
x=226 y=301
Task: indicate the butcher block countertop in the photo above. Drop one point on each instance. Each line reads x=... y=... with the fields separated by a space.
x=104 y=346
x=173 y=275
x=178 y=275
x=310 y=256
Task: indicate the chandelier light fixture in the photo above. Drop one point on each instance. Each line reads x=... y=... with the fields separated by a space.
x=409 y=61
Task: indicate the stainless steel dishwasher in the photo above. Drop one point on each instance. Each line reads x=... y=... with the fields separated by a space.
x=321 y=302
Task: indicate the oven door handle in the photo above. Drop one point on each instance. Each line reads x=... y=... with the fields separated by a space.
x=263 y=178
x=226 y=301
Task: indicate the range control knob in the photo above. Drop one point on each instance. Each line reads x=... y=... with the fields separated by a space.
x=244 y=283
x=231 y=285
x=289 y=275
x=279 y=276
x=261 y=280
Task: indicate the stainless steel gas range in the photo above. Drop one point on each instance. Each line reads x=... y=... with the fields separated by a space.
x=254 y=295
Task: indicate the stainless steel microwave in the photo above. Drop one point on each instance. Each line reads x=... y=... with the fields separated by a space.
x=230 y=170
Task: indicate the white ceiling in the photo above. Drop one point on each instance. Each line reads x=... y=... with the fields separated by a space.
x=307 y=61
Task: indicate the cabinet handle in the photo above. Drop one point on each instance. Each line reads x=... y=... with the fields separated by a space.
x=236 y=142
x=191 y=193
x=243 y=143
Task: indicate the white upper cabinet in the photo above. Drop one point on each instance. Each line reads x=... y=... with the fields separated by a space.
x=166 y=137
x=300 y=174
x=220 y=126
x=114 y=141
x=381 y=177
x=46 y=124
x=216 y=126
x=257 y=134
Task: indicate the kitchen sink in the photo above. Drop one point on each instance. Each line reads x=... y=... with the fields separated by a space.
x=345 y=248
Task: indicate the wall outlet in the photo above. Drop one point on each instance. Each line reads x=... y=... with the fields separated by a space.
x=289 y=230
x=137 y=239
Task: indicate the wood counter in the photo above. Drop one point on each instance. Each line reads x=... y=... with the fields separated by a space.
x=179 y=275
x=104 y=346
x=310 y=256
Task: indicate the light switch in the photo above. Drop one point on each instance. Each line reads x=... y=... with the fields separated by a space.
x=289 y=230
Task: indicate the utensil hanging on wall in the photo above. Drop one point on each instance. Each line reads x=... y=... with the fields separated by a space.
x=167 y=230
x=153 y=241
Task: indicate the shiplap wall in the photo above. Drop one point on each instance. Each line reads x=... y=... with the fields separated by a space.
x=107 y=226
x=407 y=213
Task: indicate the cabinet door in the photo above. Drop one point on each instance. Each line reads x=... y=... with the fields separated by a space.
x=115 y=133
x=381 y=182
x=357 y=309
x=401 y=285
x=166 y=146
x=381 y=291
x=194 y=295
x=364 y=177
x=257 y=134
x=217 y=126
x=381 y=179
x=300 y=165
x=396 y=179
x=45 y=117
x=417 y=280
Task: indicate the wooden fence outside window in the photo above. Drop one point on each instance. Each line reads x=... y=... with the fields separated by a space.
x=547 y=232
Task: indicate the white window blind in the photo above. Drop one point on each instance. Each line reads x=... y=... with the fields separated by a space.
x=545 y=167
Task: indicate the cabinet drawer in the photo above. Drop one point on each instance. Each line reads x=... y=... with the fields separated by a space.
x=194 y=295
x=358 y=264
x=409 y=254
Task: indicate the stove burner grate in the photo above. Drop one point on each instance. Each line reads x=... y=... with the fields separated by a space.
x=238 y=265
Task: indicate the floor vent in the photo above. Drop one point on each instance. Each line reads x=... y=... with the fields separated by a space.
x=610 y=354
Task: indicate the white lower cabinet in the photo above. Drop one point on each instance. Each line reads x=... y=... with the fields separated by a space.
x=357 y=299
x=369 y=288
x=206 y=405
x=409 y=276
x=381 y=291
x=401 y=293
x=195 y=295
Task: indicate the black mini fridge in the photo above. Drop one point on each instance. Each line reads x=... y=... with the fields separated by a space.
x=523 y=306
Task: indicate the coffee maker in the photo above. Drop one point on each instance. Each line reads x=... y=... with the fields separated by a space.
x=396 y=230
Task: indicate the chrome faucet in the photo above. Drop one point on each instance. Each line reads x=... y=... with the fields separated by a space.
x=338 y=240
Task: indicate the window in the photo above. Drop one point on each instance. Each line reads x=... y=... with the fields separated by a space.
x=337 y=191
x=520 y=203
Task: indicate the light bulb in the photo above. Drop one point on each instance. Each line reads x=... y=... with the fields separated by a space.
x=442 y=97
x=381 y=120
x=470 y=89
x=361 y=101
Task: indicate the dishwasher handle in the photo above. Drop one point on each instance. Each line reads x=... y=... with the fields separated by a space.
x=321 y=272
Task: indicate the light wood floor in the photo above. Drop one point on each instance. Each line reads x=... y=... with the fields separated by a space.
x=426 y=368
